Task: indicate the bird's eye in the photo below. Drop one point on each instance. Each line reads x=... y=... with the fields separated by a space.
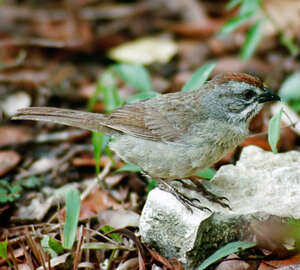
x=248 y=94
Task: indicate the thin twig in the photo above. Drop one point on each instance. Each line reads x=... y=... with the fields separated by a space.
x=94 y=184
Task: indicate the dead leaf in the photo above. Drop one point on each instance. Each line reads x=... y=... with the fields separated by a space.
x=8 y=161
x=98 y=200
x=157 y=257
x=176 y=264
x=233 y=262
x=119 y=218
x=11 y=135
x=273 y=264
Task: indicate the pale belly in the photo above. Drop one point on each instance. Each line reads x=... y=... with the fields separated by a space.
x=169 y=160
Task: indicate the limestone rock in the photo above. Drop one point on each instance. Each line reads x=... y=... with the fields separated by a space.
x=260 y=185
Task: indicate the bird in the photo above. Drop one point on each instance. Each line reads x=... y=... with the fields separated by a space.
x=172 y=136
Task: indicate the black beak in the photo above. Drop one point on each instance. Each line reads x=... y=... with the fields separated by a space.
x=267 y=95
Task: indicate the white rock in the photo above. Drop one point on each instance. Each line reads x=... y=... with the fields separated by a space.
x=261 y=184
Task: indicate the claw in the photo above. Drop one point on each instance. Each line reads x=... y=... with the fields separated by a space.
x=195 y=200
x=209 y=195
x=187 y=202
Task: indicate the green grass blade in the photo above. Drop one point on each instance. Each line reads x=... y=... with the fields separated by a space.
x=99 y=141
x=3 y=249
x=142 y=96
x=232 y=4
x=72 y=215
x=274 y=131
x=234 y=23
x=108 y=86
x=135 y=75
x=253 y=37
x=225 y=251
x=206 y=174
x=3 y=252
x=290 y=89
x=199 y=77
x=289 y=44
x=249 y=6
x=129 y=168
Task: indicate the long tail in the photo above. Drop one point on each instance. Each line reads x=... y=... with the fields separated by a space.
x=73 y=118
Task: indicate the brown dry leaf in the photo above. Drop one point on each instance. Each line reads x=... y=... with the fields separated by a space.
x=157 y=257
x=113 y=180
x=273 y=264
x=141 y=251
x=199 y=29
x=13 y=134
x=97 y=201
x=176 y=264
x=233 y=262
x=86 y=160
x=8 y=161
x=260 y=141
x=25 y=77
x=270 y=237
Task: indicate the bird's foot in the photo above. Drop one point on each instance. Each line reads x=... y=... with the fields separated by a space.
x=208 y=194
x=187 y=202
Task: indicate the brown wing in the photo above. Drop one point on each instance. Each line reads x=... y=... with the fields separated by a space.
x=164 y=118
x=143 y=121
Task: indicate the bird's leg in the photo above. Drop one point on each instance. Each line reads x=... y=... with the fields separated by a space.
x=208 y=194
x=187 y=202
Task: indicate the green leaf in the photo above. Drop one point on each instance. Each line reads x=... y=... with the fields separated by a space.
x=234 y=23
x=199 y=77
x=289 y=44
x=115 y=236
x=3 y=252
x=274 y=131
x=72 y=215
x=295 y=105
x=108 y=87
x=94 y=98
x=135 y=75
x=141 y=96
x=55 y=245
x=206 y=174
x=51 y=246
x=129 y=168
x=253 y=37
x=3 y=249
x=9 y=192
x=290 y=89
x=45 y=246
x=100 y=142
x=31 y=182
x=225 y=251
x=249 y=6
x=232 y=4
x=152 y=184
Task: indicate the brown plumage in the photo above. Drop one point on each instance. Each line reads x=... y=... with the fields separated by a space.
x=174 y=135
